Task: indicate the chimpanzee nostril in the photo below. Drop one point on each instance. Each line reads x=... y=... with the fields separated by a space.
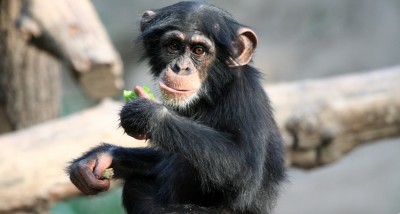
x=176 y=69
x=181 y=68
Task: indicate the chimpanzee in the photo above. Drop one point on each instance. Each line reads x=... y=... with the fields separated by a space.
x=215 y=147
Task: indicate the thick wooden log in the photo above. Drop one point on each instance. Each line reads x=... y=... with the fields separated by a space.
x=72 y=31
x=32 y=161
x=289 y=96
x=329 y=117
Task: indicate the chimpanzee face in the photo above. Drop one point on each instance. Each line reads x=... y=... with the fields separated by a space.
x=187 y=57
x=182 y=49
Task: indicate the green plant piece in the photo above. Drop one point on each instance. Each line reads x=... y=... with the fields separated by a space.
x=131 y=95
x=108 y=173
x=148 y=92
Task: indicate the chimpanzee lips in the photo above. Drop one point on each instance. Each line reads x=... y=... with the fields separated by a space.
x=169 y=89
x=179 y=85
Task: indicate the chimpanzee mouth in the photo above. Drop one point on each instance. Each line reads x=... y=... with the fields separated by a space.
x=169 y=89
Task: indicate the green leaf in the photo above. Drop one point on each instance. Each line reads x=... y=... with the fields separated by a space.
x=146 y=89
x=131 y=95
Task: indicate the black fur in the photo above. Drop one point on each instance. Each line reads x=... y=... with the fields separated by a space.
x=221 y=154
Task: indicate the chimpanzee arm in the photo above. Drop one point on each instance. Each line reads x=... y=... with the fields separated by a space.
x=216 y=155
x=86 y=172
x=134 y=161
x=125 y=161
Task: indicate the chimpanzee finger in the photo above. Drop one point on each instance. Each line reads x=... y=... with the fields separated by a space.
x=141 y=93
x=103 y=162
x=93 y=184
x=88 y=188
x=77 y=179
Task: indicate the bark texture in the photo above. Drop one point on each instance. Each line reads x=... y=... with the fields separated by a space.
x=29 y=77
x=324 y=119
x=72 y=31
x=36 y=37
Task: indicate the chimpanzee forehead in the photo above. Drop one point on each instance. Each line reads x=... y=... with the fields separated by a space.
x=189 y=36
x=174 y=34
x=215 y=23
x=201 y=39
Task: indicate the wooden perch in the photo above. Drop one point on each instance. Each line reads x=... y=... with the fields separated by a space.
x=32 y=161
x=72 y=31
x=326 y=119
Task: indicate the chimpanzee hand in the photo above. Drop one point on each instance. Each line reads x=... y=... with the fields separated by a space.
x=86 y=172
x=136 y=115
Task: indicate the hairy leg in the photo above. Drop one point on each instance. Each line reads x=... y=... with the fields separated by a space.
x=169 y=188
x=138 y=195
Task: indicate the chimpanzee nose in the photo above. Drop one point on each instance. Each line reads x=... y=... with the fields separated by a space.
x=182 y=68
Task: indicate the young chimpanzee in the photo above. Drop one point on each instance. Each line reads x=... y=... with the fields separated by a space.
x=215 y=147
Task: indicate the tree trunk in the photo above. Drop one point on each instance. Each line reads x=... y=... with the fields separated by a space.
x=72 y=31
x=30 y=77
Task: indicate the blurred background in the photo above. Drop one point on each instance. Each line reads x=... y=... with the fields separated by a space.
x=298 y=40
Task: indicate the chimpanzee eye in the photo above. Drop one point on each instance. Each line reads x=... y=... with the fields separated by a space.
x=174 y=47
x=198 y=50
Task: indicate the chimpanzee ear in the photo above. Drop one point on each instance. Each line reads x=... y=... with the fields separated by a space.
x=245 y=45
x=147 y=16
